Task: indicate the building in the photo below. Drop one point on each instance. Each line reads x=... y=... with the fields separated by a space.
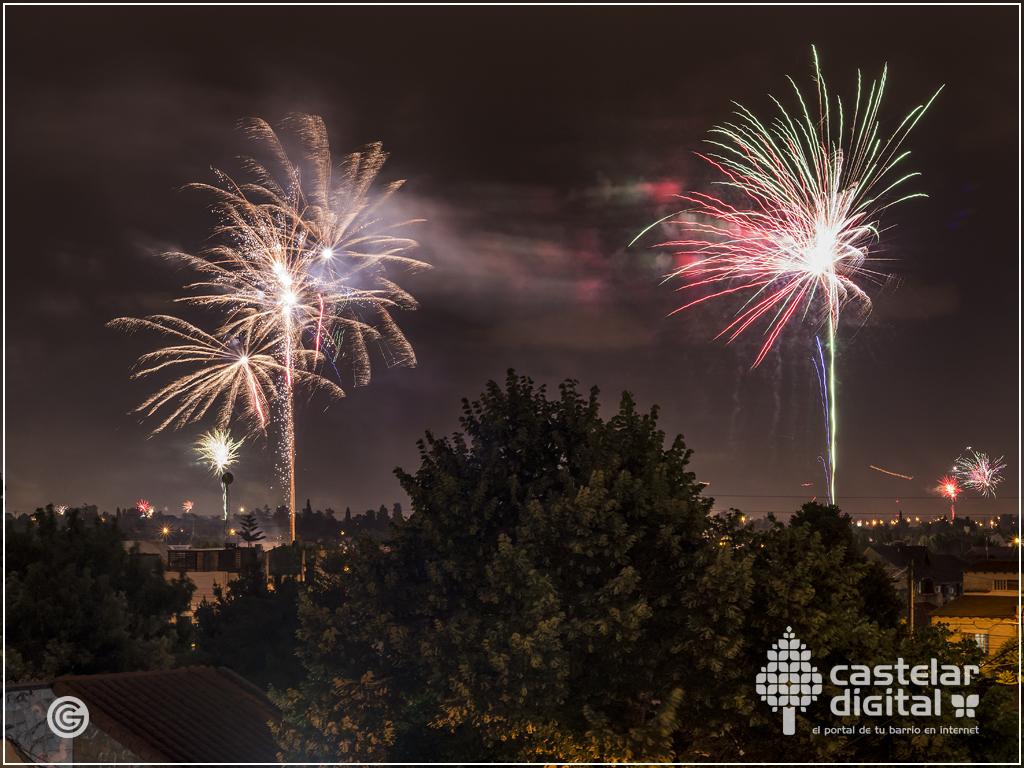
x=989 y=611
x=189 y=715
x=938 y=578
x=206 y=568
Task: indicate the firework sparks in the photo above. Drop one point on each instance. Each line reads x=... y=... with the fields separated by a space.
x=978 y=472
x=187 y=507
x=145 y=508
x=218 y=450
x=308 y=260
x=810 y=191
x=950 y=489
x=303 y=262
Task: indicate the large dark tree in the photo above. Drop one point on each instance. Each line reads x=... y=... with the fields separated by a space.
x=558 y=591
x=77 y=602
x=562 y=593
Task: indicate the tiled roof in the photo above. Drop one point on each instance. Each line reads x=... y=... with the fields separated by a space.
x=188 y=715
x=993 y=566
x=979 y=607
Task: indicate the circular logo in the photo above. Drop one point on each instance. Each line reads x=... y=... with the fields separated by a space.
x=67 y=717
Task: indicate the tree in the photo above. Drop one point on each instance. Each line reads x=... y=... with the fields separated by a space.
x=880 y=600
x=249 y=529
x=78 y=603
x=563 y=594
x=531 y=607
x=251 y=629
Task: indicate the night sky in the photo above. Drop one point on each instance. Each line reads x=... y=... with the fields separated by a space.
x=537 y=143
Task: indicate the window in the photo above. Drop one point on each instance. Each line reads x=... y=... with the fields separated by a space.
x=999 y=584
x=1013 y=584
x=982 y=641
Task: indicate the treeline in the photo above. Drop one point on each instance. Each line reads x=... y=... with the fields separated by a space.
x=310 y=525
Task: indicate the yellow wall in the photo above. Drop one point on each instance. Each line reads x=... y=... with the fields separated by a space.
x=998 y=630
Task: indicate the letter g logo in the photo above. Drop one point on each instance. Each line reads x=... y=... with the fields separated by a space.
x=67 y=717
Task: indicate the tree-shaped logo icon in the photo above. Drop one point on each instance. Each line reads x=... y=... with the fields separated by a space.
x=789 y=681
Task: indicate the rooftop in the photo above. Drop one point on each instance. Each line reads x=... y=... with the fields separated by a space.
x=993 y=566
x=979 y=607
x=187 y=715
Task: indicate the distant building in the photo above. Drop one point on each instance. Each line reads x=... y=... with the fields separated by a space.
x=938 y=578
x=989 y=611
x=206 y=568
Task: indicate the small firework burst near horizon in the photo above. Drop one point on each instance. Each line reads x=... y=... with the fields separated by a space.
x=789 y=238
x=977 y=472
x=950 y=489
x=218 y=450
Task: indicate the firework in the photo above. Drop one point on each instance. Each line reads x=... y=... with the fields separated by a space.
x=237 y=369
x=807 y=192
x=950 y=489
x=299 y=278
x=145 y=508
x=218 y=450
x=978 y=472
x=306 y=260
x=187 y=507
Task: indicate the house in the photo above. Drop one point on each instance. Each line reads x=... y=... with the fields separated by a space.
x=938 y=578
x=989 y=611
x=188 y=715
x=994 y=577
x=208 y=568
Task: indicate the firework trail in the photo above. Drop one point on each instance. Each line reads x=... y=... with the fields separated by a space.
x=894 y=474
x=950 y=489
x=819 y=369
x=978 y=472
x=301 y=256
x=805 y=194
